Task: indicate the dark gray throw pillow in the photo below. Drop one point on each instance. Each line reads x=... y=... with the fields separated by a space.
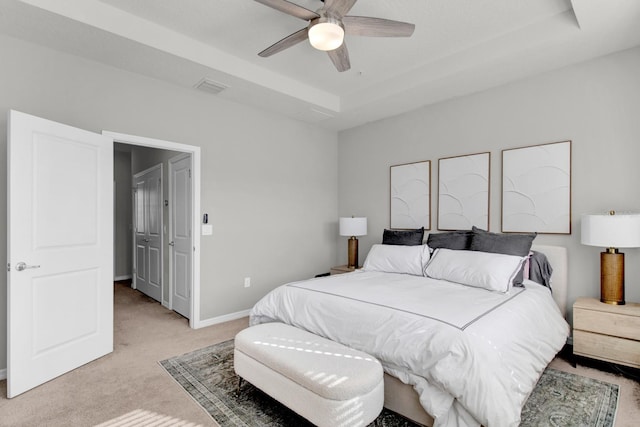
x=508 y=244
x=456 y=240
x=403 y=237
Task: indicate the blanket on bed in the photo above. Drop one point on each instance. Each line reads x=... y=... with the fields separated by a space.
x=473 y=356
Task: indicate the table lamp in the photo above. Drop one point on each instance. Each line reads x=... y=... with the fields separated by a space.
x=611 y=231
x=353 y=227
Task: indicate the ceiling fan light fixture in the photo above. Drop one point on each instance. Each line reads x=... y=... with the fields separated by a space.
x=326 y=36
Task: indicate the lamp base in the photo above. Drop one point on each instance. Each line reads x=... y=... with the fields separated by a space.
x=612 y=277
x=353 y=252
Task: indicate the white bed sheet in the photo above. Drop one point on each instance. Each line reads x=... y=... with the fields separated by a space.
x=472 y=355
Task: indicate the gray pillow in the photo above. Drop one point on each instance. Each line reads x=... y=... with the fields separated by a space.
x=540 y=269
x=456 y=240
x=508 y=244
x=403 y=237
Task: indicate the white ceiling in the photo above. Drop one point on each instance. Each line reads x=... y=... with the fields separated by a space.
x=459 y=47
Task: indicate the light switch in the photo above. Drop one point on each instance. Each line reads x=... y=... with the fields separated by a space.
x=207 y=229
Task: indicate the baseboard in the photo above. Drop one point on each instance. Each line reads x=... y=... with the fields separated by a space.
x=221 y=319
x=3 y=374
x=125 y=277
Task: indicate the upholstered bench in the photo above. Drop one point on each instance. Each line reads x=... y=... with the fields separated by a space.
x=323 y=381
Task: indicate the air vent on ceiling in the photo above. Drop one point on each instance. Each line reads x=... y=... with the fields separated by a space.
x=210 y=86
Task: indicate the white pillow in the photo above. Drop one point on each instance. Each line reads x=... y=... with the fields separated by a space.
x=397 y=259
x=494 y=272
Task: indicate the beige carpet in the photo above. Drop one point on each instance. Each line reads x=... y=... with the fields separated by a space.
x=129 y=384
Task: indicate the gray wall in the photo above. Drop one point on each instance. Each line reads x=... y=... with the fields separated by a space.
x=123 y=235
x=269 y=183
x=595 y=104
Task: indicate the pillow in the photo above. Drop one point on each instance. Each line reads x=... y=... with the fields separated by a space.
x=540 y=269
x=397 y=259
x=403 y=237
x=508 y=244
x=523 y=273
x=494 y=272
x=458 y=240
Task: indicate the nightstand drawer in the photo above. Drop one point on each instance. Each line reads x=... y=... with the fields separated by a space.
x=604 y=347
x=618 y=325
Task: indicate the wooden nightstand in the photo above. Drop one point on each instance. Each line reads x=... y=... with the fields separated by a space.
x=342 y=269
x=607 y=332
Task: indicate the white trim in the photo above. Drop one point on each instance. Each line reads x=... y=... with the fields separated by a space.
x=3 y=374
x=194 y=321
x=224 y=318
x=125 y=277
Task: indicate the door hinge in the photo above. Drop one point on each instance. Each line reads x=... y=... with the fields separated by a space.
x=8 y=266
x=189 y=173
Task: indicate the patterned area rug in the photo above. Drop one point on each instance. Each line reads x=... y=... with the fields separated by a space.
x=559 y=399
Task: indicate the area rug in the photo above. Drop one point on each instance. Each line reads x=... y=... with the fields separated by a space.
x=559 y=399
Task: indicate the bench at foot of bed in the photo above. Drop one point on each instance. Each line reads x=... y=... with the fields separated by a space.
x=327 y=383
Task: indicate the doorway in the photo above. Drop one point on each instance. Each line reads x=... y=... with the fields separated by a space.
x=178 y=296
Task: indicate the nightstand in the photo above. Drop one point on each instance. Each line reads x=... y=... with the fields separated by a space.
x=607 y=332
x=342 y=269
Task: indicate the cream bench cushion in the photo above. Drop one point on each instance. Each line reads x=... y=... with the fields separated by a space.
x=325 y=382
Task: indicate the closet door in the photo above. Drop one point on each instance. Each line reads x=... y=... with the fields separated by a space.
x=148 y=232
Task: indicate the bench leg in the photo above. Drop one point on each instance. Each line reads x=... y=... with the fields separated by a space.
x=239 y=386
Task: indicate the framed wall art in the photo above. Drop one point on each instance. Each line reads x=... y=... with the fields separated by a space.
x=411 y=195
x=463 y=192
x=536 y=189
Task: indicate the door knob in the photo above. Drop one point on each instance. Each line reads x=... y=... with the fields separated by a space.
x=23 y=266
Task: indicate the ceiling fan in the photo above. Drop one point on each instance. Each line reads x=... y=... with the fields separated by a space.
x=328 y=25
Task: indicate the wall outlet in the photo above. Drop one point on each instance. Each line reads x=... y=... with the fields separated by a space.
x=247 y=282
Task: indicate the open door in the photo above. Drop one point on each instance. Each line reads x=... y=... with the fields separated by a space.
x=60 y=250
x=148 y=225
x=180 y=225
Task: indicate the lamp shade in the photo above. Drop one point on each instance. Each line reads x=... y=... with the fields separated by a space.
x=611 y=231
x=353 y=226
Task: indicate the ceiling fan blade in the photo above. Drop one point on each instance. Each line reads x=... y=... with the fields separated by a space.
x=340 y=58
x=286 y=43
x=339 y=7
x=376 y=27
x=290 y=9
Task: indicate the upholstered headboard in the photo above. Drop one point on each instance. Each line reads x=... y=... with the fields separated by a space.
x=557 y=256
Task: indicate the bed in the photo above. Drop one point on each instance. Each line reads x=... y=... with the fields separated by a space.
x=453 y=354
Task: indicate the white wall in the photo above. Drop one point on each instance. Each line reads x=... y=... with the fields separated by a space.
x=269 y=183
x=595 y=104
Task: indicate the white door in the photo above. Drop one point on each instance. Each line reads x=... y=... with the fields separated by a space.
x=181 y=245
x=60 y=250
x=148 y=232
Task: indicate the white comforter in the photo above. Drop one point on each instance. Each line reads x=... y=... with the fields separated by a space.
x=472 y=355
